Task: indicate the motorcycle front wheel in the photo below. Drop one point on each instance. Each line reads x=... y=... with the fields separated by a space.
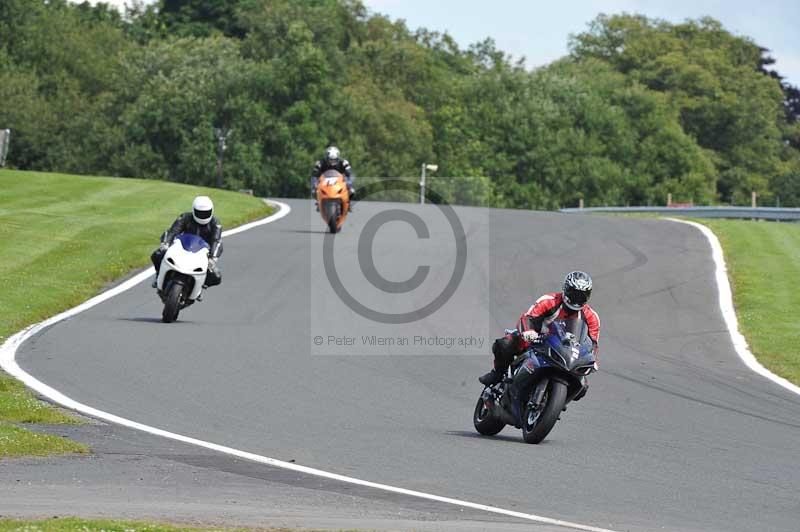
x=484 y=421
x=172 y=303
x=538 y=420
x=332 y=214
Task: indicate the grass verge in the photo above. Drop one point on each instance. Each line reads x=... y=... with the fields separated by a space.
x=763 y=260
x=62 y=239
x=15 y=441
x=70 y=524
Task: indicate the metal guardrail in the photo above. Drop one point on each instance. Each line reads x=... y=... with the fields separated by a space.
x=761 y=213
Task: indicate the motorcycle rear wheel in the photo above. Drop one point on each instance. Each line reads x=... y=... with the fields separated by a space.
x=484 y=421
x=537 y=423
x=172 y=303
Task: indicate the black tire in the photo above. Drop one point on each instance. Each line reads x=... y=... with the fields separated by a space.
x=484 y=421
x=332 y=214
x=172 y=303
x=536 y=425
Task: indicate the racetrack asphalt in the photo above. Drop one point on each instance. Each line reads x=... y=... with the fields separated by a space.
x=675 y=433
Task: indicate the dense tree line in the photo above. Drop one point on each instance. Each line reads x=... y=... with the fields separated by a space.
x=638 y=109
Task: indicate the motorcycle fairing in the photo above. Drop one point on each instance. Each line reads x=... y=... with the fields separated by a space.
x=191 y=262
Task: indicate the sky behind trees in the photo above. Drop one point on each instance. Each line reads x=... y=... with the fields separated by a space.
x=539 y=30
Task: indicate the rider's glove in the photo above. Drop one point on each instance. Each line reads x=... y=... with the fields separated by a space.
x=163 y=246
x=212 y=263
x=530 y=336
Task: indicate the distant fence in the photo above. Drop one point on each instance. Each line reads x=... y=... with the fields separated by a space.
x=5 y=140
x=761 y=213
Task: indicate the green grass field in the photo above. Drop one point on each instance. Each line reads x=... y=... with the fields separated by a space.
x=62 y=239
x=15 y=441
x=763 y=261
x=71 y=524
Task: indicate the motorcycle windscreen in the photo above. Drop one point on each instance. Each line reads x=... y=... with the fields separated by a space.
x=331 y=174
x=580 y=330
x=192 y=243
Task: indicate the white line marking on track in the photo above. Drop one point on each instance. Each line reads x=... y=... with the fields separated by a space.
x=728 y=311
x=9 y=364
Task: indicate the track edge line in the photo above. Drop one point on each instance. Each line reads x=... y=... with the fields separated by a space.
x=729 y=311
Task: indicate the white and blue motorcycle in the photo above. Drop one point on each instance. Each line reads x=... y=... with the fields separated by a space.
x=182 y=274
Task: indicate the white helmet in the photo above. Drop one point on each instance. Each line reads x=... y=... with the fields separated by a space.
x=332 y=155
x=202 y=209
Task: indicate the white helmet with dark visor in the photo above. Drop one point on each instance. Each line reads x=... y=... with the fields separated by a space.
x=202 y=209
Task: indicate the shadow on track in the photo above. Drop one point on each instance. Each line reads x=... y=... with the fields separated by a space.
x=476 y=436
x=305 y=231
x=152 y=320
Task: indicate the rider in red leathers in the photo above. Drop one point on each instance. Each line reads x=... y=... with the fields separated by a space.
x=568 y=303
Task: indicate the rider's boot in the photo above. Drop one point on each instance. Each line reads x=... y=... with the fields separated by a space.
x=493 y=377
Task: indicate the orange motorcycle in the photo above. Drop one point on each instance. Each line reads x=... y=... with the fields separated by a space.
x=333 y=199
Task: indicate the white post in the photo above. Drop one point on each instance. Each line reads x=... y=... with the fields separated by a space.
x=422 y=186
x=753 y=199
x=5 y=140
x=580 y=203
x=222 y=135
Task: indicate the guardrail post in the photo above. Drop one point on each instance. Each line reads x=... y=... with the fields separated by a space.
x=669 y=199
x=753 y=197
x=580 y=203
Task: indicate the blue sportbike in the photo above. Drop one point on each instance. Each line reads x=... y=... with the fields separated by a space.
x=539 y=383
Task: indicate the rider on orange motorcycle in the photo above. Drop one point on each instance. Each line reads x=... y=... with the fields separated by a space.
x=332 y=161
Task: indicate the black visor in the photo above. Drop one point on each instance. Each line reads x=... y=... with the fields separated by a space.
x=577 y=297
x=202 y=215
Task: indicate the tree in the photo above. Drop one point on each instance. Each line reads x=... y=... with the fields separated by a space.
x=640 y=108
x=716 y=80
